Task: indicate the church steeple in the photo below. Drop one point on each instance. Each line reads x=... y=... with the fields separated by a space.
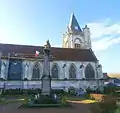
x=73 y=24
x=76 y=37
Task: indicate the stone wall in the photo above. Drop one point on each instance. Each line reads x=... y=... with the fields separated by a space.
x=27 y=68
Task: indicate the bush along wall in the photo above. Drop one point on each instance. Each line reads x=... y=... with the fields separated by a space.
x=21 y=91
x=89 y=91
x=106 y=104
x=72 y=91
x=31 y=91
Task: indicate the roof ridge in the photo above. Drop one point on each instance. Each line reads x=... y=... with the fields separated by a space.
x=43 y=46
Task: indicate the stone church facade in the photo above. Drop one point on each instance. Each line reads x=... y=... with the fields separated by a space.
x=73 y=65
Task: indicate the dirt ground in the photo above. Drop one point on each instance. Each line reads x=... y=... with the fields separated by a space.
x=76 y=108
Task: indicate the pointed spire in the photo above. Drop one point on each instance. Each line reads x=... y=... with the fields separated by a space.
x=73 y=25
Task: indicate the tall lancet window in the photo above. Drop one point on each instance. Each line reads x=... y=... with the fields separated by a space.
x=15 y=69
x=89 y=72
x=36 y=72
x=72 y=72
x=55 y=71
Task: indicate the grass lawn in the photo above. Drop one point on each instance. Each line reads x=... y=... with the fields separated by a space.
x=5 y=101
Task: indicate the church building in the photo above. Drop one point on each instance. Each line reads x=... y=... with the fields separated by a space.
x=73 y=65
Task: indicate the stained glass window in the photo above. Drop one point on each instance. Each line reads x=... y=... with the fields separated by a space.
x=89 y=72
x=55 y=71
x=36 y=72
x=72 y=72
x=15 y=69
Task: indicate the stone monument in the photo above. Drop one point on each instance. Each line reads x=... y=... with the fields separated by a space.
x=46 y=97
x=46 y=79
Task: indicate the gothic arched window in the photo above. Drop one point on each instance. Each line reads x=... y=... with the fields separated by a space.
x=15 y=69
x=54 y=71
x=72 y=72
x=36 y=72
x=89 y=72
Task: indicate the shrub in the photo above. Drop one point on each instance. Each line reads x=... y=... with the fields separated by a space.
x=117 y=110
x=64 y=100
x=98 y=97
x=71 y=90
x=87 y=96
x=98 y=91
x=107 y=104
x=110 y=90
x=21 y=91
x=58 y=91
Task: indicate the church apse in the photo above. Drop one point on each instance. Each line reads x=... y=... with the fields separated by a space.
x=15 y=69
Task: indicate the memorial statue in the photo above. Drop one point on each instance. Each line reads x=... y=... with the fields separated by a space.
x=47 y=45
x=46 y=94
x=46 y=79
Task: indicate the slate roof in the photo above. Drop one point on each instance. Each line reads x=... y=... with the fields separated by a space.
x=73 y=25
x=61 y=54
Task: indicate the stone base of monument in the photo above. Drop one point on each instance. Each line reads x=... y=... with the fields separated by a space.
x=45 y=101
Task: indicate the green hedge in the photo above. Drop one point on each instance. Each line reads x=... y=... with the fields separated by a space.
x=21 y=91
x=30 y=91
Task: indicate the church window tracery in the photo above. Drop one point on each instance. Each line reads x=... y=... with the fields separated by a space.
x=36 y=72
x=55 y=71
x=89 y=72
x=15 y=69
x=72 y=72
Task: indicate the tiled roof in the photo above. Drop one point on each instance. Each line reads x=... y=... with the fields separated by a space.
x=63 y=54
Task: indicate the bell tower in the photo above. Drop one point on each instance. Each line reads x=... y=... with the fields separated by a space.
x=75 y=37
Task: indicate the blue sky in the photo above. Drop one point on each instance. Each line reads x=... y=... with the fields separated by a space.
x=32 y=22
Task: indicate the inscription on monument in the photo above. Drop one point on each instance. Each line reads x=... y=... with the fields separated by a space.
x=46 y=86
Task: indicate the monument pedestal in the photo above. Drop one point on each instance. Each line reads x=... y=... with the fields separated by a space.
x=46 y=85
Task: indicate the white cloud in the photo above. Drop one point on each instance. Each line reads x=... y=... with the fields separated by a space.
x=104 y=43
x=104 y=34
